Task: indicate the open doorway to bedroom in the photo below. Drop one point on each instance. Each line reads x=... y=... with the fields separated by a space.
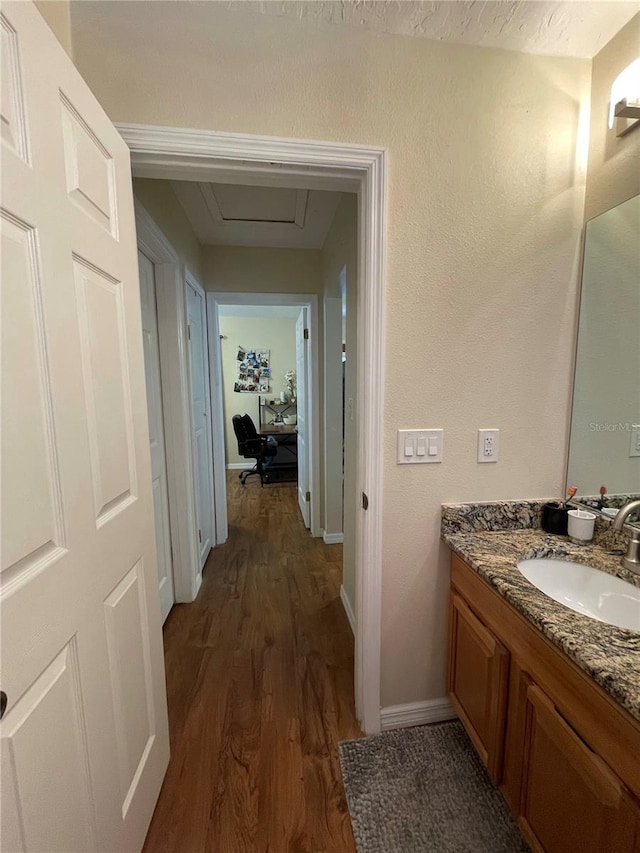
x=265 y=396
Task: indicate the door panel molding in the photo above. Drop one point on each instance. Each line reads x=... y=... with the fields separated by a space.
x=166 y=152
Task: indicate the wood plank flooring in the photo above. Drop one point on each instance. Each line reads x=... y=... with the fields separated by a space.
x=260 y=690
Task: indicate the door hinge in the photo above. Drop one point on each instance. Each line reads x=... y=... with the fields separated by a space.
x=365 y=501
x=189 y=332
x=307 y=496
x=306 y=334
x=200 y=536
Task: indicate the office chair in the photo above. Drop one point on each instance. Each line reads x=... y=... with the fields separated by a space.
x=253 y=446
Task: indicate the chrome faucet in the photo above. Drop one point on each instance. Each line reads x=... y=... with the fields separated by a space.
x=632 y=559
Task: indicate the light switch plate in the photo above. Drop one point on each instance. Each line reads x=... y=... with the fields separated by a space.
x=634 y=445
x=411 y=443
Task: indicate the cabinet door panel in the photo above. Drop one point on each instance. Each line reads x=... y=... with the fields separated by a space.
x=570 y=799
x=478 y=681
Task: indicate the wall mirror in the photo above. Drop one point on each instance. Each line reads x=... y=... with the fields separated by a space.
x=604 y=447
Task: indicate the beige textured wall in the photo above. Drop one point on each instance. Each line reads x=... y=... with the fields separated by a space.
x=277 y=334
x=161 y=203
x=485 y=208
x=57 y=13
x=341 y=249
x=614 y=164
x=257 y=270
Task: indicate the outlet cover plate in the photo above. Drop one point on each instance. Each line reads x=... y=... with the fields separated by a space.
x=488 y=445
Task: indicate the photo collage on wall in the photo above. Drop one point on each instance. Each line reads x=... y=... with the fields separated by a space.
x=254 y=371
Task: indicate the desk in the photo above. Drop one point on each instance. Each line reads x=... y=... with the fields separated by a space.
x=285 y=462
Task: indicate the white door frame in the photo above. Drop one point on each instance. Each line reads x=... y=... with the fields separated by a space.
x=204 y=155
x=299 y=300
x=174 y=380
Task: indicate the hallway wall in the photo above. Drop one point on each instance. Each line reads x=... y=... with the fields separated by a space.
x=260 y=270
x=161 y=203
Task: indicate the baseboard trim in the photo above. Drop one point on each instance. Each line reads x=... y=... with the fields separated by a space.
x=332 y=538
x=416 y=714
x=348 y=609
x=238 y=466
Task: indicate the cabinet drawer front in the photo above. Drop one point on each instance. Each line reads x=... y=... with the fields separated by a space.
x=570 y=799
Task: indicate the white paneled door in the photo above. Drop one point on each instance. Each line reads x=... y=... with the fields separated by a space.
x=156 y=432
x=84 y=735
x=200 y=414
x=302 y=341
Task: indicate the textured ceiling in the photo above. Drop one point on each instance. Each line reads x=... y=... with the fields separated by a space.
x=532 y=26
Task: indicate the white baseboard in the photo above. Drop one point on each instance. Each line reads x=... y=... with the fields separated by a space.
x=332 y=538
x=238 y=466
x=416 y=714
x=348 y=609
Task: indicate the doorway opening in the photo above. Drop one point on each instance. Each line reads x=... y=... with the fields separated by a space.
x=279 y=394
x=197 y=155
x=288 y=422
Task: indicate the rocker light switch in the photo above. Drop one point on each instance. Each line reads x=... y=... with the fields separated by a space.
x=425 y=446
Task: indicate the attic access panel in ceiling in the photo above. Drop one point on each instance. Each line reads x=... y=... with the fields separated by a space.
x=238 y=215
x=234 y=203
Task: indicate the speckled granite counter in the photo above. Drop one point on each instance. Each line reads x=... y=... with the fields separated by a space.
x=491 y=538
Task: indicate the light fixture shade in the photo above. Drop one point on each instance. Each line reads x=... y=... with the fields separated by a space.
x=626 y=87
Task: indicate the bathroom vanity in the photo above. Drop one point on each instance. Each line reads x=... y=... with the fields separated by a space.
x=549 y=697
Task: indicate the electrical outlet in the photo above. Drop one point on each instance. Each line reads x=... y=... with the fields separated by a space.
x=488 y=445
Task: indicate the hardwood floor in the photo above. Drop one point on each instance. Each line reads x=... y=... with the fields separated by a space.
x=260 y=690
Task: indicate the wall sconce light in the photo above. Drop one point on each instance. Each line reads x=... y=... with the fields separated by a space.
x=624 y=103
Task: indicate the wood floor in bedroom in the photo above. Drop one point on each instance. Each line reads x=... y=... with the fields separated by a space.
x=260 y=690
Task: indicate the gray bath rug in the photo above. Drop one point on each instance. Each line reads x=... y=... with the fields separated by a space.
x=424 y=790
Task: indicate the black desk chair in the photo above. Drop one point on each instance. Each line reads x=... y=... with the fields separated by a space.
x=253 y=446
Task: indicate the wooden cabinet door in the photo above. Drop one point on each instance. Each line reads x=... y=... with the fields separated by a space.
x=570 y=799
x=477 y=683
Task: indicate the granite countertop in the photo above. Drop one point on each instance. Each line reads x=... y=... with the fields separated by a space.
x=491 y=538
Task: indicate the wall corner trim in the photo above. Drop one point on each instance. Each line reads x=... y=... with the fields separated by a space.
x=416 y=714
x=348 y=609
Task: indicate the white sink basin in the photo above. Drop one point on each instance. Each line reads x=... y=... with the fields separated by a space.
x=586 y=590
